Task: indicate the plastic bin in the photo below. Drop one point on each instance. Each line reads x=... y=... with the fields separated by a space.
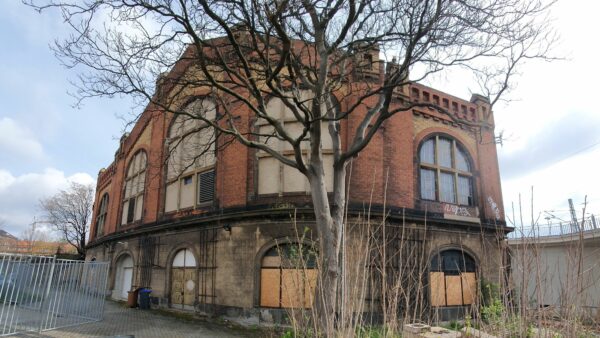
x=132 y=298
x=145 y=299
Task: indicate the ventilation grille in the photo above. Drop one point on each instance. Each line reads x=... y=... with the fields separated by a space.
x=206 y=186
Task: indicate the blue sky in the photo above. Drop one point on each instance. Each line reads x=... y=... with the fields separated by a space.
x=552 y=126
x=44 y=140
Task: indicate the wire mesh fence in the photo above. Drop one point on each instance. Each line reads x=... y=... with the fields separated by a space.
x=43 y=293
x=556 y=229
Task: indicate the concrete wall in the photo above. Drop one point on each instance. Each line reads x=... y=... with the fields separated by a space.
x=560 y=271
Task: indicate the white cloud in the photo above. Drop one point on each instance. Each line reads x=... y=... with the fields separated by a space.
x=19 y=141
x=20 y=195
x=553 y=185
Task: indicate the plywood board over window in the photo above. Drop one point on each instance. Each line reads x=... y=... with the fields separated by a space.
x=287 y=282
x=452 y=279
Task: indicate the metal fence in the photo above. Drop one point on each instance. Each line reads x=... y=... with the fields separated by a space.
x=43 y=293
x=556 y=229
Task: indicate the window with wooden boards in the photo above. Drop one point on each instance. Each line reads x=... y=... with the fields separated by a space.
x=452 y=279
x=288 y=276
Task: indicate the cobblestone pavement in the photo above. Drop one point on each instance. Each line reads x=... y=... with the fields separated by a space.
x=123 y=322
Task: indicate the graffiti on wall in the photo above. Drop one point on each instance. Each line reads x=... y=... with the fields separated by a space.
x=494 y=207
x=456 y=210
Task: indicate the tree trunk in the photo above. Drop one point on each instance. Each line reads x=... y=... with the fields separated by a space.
x=329 y=221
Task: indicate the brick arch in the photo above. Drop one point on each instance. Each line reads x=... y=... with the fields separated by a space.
x=113 y=265
x=426 y=133
x=452 y=246
x=261 y=253
x=171 y=117
x=169 y=266
x=128 y=163
x=455 y=247
x=471 y=154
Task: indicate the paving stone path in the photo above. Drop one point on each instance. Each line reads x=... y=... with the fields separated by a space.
x=123 y=322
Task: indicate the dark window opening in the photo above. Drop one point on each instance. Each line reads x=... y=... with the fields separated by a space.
x=131 y=210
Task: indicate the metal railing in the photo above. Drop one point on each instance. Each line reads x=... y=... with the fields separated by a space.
x=42 y=293
x=556 y=229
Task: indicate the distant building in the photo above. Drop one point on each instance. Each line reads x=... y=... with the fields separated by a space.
x=204 y=237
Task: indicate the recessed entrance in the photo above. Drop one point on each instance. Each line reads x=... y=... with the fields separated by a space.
x=183 y=279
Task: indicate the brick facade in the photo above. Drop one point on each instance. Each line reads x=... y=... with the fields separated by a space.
x=242 y=223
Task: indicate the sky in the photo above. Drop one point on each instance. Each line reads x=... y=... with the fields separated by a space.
x=551 y=125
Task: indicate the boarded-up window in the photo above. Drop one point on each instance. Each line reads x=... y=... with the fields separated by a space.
x=288 y=277
x=452 y=279
x=192 y=157
x=273 y=176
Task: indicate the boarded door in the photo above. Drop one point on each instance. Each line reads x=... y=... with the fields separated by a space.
x=183 y=286
x=183 y=279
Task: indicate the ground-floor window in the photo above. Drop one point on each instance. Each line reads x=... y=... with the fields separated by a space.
x=452 y=279
x=288 y=277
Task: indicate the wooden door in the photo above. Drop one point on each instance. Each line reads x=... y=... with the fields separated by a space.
x=183 y=286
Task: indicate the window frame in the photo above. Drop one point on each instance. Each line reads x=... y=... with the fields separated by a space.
x=439 y=169
x=129 y=198
x=102 y=215
x=282 y=251
x=196 y=171
x=281 y=146
x=469 y=266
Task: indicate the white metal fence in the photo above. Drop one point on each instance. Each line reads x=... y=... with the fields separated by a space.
x=43 y=293
x=556 y=229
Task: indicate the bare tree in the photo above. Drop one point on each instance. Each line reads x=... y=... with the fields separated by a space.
x=320 y=58
x=69 y=212
x=33 y=234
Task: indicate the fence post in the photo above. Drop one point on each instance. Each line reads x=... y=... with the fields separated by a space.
x=47 y=292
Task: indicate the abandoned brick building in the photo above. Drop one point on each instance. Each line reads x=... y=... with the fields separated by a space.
x=204 y=237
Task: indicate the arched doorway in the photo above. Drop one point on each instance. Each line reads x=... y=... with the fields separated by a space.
x=123 y=277
x=288 y=278
x=452 y=279
x=183 y=279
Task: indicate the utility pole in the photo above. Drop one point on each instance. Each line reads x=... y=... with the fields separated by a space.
x=574 y=224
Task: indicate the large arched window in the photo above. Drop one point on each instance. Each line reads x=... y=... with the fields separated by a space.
x=445 y=172
x=452 y=279
x=101 y=216
x=191 y=162
x=288 y=276
x=133 y=199
x=273 y=176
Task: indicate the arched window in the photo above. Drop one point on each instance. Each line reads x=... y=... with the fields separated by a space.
x=452 y=279
x=135 y=180
x=191 y=162
x=183 y=278
x=273 y=176
x=101 y=216
x=445 y=172
x=288 y=276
